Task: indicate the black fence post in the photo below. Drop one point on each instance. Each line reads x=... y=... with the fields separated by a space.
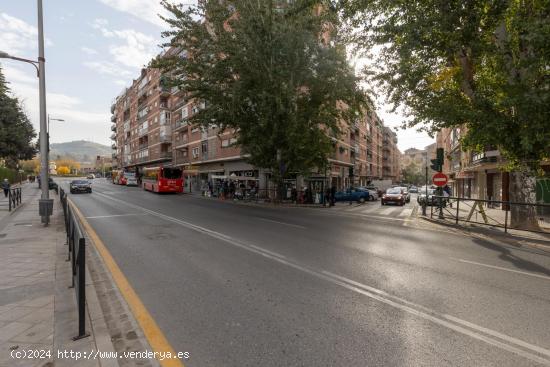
x=457 y=205
x=9 y=200
x=81 y=289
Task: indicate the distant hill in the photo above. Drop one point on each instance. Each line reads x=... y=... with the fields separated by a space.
x=80 y=150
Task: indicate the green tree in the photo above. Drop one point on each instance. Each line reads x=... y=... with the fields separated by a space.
x=482 y=64
x=273 y=70
x=412 y=174
x=16 y=131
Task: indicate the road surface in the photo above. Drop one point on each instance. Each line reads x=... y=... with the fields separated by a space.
x=246 y=285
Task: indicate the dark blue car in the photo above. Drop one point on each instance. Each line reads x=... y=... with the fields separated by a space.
x=359 y=195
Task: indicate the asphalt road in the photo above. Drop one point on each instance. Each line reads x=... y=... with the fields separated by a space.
x=240 y=285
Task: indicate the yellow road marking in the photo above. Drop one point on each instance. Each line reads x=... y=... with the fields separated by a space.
x=152 y=332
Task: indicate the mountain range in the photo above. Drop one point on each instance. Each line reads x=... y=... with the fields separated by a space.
x=79 y=150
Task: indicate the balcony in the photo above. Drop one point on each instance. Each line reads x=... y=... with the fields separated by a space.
x=488 y=156
x=113 y=136
x=143 y=146
x=143 y=131
x=166 y=154
x=164 y=90
x=113 y=146
x=113 y=118
x=166 y=138
x=181 y=123
x=113 y=105
x=114 y=156
x=113 y=127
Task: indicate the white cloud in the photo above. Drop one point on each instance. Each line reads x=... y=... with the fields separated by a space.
x=147 y=10
x=107 y=68
x=88 y=50
x=136 y=49
x=18 y=36
x=24 y=86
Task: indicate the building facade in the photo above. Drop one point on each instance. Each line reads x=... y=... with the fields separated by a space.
x=150 y=128
x=419 y=159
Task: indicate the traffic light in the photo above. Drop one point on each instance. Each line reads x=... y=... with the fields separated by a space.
x=435 y=166
x=437 y=163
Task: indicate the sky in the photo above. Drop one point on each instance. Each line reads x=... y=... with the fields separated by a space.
x=94 y=48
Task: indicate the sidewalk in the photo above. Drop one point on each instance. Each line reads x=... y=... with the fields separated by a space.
x=38 y=311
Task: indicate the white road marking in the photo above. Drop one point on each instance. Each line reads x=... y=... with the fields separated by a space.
x=488 y=336
x=286 y=224
x=505 y=269
x=115 y=215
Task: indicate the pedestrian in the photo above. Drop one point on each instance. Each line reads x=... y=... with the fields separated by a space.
x=446 y=194
x=332 y=195
x=6 y=187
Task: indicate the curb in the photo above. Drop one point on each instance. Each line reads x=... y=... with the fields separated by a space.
x=475 y=231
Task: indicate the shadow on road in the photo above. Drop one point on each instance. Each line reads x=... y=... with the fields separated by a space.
x=507 y=255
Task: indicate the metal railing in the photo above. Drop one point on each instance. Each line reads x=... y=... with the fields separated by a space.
x=533 y=217
x=77 y=256
x=14 y=198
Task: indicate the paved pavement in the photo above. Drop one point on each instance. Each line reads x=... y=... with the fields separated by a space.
x=38 y=315
x=251 y=285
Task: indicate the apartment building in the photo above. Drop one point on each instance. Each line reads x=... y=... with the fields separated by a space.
x=471 y=174
x=150 y=128
x=419 y=158
x=391 y=156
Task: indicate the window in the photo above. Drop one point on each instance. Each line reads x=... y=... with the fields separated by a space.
x=205 y=147
x=225 y=143
x=184 y=112
x=195 y=152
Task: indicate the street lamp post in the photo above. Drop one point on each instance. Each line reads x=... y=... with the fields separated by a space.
x=45 y=207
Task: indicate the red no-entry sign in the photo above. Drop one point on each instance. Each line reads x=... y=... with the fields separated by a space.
x=439 y=179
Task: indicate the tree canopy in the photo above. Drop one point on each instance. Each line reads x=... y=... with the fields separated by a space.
x=274 y=71
x=482 y=64
x=16 y=131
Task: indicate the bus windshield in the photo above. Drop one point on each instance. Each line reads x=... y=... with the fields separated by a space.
x=171 y=173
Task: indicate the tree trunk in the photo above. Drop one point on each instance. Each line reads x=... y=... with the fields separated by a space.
x=523 y=190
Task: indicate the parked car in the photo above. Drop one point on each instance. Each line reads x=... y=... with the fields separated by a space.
x=91 y=176
x=80 y=186
x=373 y=194
x=405 y=193
x=356 y=194
x=413 y=190
x=52 y=185
x=432 y=200
x=131 y=180
x=393 y=195
x=379 y=191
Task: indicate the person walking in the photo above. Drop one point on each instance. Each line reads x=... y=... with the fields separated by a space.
x=6 y=187
x=332 y=195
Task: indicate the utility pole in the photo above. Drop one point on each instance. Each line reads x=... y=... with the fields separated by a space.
x=45 y=203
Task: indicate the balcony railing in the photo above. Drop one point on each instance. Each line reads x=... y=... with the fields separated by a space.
x=142 y=131
x=167 y=138
x=113 y=127
x=113 y=136
x=165 y=154
x=143 y=146
x=113 y=118
x=113 y=146
x=181 y=123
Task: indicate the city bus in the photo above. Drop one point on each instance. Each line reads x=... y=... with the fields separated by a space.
x=163 y=179
x=115 y=176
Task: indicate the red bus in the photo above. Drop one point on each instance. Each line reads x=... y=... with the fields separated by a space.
x=163 y=179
